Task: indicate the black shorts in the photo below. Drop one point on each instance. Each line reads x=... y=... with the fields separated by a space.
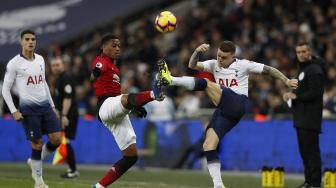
x=71 y=129
x=37 y=125
x=230 y=110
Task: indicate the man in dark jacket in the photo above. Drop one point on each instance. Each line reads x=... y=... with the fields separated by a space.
x=65 y=103
x=307 y=112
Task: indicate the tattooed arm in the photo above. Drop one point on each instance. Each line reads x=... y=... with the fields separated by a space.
x=193 y=61
x=292 y=83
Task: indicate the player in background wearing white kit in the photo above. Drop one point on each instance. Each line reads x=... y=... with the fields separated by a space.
x=36 y=108
x=229 y=94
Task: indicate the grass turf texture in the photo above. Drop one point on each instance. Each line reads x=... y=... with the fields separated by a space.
x=18 y=175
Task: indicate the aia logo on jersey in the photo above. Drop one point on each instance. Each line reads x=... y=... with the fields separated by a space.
x=228 y=82
x=37 y=79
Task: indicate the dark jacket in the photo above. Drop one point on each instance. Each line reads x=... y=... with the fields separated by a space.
x=307 y=107
x=65 y=88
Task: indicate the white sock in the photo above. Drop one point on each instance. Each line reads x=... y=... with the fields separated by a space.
x=36 y=166
x=45 y=152
x=99 y=186
x=185 y=81
x=152 y=95
x=215 y=173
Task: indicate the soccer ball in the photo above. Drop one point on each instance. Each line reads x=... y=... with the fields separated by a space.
x=165 y=22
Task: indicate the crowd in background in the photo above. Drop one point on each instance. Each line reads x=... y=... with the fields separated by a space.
x=264 y=31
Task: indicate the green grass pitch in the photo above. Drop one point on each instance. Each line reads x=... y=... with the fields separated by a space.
x=18 y=175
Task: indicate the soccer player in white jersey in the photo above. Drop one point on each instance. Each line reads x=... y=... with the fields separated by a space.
x=36 y=108
x=229 y=94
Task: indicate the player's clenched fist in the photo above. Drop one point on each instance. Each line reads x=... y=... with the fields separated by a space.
x=203 y=48
x=292 y=83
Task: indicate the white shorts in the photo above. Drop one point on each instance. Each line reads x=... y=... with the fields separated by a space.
x=115 y=117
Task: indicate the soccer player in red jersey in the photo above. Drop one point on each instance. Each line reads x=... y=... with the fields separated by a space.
x=114 y=107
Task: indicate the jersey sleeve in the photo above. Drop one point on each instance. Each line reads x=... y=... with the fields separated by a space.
x=97 y=68
x=252 y=67
x=9 y=79
x=209 y=65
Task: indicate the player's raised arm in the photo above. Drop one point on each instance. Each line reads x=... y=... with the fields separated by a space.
x=292 y=83
x=194 y=59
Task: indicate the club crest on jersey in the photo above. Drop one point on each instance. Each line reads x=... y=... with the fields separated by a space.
x=99 y=65
x=228 y=82
x=116 y=78
x=36 y=79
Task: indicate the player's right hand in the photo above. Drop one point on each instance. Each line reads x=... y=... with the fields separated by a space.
x=17 y=116
x=203 y=48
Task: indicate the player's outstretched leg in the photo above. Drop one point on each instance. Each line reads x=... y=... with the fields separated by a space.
x=191 y=83
x=137 y=100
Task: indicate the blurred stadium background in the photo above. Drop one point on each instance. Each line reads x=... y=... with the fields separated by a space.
x=264 y=30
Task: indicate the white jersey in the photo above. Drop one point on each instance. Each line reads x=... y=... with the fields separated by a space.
x=236 y=75
x=29 y=78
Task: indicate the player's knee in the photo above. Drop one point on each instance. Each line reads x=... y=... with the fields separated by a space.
x=209 y=145
x=211 y=85
x=37 y=144
x=131 y=101
x=124 y=99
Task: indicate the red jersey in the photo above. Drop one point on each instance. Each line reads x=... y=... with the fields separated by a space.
x=108 y=83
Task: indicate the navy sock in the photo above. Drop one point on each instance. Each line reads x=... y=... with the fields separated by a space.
x=50 y=146
x=36 y=154
x=200 y=84
x=211 y=156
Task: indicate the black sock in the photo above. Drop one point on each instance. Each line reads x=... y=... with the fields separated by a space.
x=36 y=154
x=71 y=158
x=211 y=156
x=200 y=84
x=125 y=163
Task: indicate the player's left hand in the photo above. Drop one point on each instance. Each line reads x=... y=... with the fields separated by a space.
x=292 y=83
x=56 y=112
x=139 y=112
